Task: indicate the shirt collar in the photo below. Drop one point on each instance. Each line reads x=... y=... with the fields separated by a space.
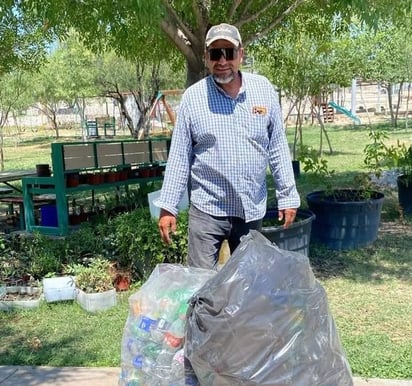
x=242 y=89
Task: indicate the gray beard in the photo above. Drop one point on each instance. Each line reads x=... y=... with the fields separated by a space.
x=225 y=79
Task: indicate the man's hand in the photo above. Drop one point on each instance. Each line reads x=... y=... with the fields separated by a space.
x=167 y=224
x=288 y=215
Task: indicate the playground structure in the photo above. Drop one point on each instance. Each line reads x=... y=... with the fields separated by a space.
x=161 y=114
x=362 y=103
x=346 y=112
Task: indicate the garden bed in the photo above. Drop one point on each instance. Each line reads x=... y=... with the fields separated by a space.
x=20 y=297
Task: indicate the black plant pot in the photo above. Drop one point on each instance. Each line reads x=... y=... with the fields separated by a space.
x=296 y=168
x=43 y=170
x=345 y=224
x=405 y=194
x=294 y=238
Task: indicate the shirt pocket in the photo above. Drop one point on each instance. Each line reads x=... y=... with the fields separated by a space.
x=257 y=129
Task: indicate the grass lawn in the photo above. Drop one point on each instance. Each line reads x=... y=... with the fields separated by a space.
x=369 y=289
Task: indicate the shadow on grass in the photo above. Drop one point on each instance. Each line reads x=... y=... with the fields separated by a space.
x=389 y=257
x=25 y=348
x=62 y=334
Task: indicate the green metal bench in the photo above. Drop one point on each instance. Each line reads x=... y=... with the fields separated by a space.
x=127 y=157
x=97 y=127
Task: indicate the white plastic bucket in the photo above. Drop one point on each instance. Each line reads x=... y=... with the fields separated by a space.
x=155 y=210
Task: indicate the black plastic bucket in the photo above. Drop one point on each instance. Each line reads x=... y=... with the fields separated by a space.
x=294 y=238
x=43 y=170
x=345 y=225
x=405 y=194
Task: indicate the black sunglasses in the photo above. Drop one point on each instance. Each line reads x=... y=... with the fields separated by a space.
x=216 y=53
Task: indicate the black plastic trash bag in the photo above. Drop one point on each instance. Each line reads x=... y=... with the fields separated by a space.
x=264 y=320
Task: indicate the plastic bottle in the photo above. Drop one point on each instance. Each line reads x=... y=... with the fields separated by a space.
x=138 y=361
x=133 y=346
x=163 y=365
x=151 y=350
x=173 y=341
x=148 y=366
x=137 y=378
x=145 y=324
x=146 y=317
x=177 y=368
x=131 y=377
x=174 y=337
x=167 y=308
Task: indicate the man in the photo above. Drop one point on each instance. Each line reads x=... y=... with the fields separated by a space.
x=229 y=129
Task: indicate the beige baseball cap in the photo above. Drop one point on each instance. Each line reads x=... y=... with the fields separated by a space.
x=224 y=32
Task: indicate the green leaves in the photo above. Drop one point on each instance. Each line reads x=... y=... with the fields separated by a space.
x=94 y=277
x=136 y=244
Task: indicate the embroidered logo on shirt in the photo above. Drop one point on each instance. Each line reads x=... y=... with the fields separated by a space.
x=259 y=110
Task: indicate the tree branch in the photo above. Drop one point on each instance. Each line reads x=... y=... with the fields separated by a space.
x=274 y=23
x=233 y=8
x=201 y=11
x=245 y=9
x=171 y=31
x=192 y=38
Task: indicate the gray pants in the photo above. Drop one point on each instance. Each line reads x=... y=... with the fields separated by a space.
x=207 y=233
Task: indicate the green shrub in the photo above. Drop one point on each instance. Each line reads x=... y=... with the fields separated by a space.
x=35 y=255
x=93 y=277
x=133 y=240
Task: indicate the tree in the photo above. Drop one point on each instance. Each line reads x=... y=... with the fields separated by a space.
x=68 y=76
x=386 y=56
x=13 y=97
x=163 y=28
x=24 y=38
x=306 y=65
x=134 y=85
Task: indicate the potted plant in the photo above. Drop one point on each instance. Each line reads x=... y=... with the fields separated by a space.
x=379 y=156
x=346 y=218
x=94 y=284
x=404 y=180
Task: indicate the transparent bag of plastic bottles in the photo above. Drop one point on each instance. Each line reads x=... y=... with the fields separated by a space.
x=264 y=320
x=152 y=352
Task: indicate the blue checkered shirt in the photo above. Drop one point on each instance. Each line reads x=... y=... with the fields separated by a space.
x=222 y=147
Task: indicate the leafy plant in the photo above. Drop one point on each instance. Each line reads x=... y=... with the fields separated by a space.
x=133 y=240
x=91 y=242
x=380 y=156
x=361 y=185
x=31 y=256
x=313 y=162
x=94 y=277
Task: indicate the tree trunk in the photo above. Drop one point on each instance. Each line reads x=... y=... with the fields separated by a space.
x=322 y=131
x=390 y=101
x=2 y=151
x=123 y=109
x=398 y=104
x=53 y=119
x=196 y=70
x=407 y=106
